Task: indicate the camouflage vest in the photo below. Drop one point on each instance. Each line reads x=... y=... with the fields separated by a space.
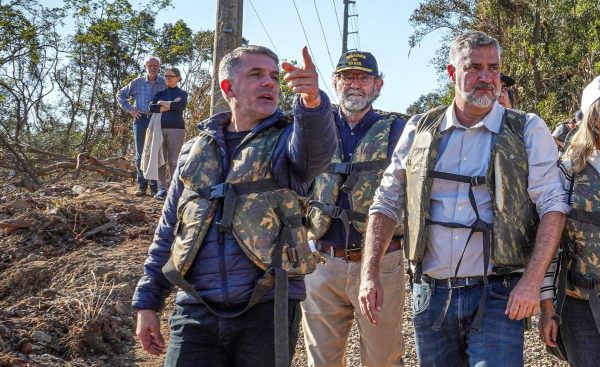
x=582 y=233
x=254 y=206
x=359 y=178
x=515 y=217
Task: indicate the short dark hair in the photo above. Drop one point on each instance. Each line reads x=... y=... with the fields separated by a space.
x=231 y=60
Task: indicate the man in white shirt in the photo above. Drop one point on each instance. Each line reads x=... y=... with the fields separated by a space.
x=476 y=182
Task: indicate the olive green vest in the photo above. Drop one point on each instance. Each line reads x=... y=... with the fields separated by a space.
x=360 y=180
x=582 y=233
x=515 y=217
x=254 y=206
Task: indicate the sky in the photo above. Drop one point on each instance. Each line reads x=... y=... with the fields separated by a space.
x=382 y=25
x=383 y=30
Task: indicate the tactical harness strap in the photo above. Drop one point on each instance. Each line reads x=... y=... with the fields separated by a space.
x=477 y=226
x=346 y=216
x=275 y=276
x=351 y=170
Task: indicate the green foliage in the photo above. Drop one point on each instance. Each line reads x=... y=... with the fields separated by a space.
x=174 y=45
x=550 y=47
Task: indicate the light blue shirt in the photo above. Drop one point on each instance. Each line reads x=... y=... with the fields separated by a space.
x=142 y=91
x=467 y=151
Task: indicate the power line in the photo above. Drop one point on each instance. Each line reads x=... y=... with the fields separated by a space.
x=337 y=18
x=310 y=51
x=324 y=37
x=263 y=26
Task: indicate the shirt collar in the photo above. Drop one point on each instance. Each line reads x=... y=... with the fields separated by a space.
x=492 y=121
x=158 y=78
x=368 y=119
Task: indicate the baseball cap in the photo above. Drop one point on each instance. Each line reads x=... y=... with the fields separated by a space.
x=358 y=60
x=590 y=94
x=509 y=81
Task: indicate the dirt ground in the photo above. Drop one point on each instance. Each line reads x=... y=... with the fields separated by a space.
x=70 y=257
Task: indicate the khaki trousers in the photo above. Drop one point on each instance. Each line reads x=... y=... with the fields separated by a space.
x=173 y=140
x=332 y=304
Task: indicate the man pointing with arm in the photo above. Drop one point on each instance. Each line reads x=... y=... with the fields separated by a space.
x=235 y=195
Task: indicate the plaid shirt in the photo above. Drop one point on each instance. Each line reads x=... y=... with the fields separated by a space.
x=142 y=91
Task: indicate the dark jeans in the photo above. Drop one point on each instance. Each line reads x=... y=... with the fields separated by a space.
x=139 y=136
x=579 y=333
x=199 y=338
x=499 y=342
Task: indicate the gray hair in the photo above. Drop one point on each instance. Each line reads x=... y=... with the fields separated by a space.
x=463 y=44
x=231 y=60
x=150 y=57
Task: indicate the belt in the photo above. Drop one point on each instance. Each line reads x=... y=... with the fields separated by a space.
x=464 y=282
x=352 y=254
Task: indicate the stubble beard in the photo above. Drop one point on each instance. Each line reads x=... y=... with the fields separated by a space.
x=482 y=101
x=357 y=103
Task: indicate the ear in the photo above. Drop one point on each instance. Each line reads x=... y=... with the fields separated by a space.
x=378 y=85
x=226 y=88
x=451 y=72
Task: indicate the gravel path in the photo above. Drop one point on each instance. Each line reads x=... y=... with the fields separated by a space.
x=535 y=353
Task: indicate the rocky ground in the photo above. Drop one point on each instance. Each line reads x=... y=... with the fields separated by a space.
x=70 y=256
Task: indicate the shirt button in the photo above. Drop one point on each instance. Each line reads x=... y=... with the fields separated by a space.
x=352 y=133
x=459 y=208
x=350 y=154
x=464 y=158
x=456 y=237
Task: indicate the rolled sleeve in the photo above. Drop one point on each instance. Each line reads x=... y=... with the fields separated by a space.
x=545 y=187
x=389 y=197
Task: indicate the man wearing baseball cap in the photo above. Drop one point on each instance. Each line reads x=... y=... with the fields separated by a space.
x=506 y=96
x=340 y=202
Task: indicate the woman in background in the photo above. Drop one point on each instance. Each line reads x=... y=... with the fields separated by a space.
x=170 y=102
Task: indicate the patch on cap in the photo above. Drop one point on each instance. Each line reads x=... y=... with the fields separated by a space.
x=358 y=60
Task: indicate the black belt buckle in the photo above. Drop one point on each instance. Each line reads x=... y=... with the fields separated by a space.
x=344 y=168
x=219 y=191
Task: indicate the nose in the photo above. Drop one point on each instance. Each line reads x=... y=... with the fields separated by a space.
x=269 y=82
x=354 y=83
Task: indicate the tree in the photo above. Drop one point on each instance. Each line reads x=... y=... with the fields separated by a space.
x=550 y=47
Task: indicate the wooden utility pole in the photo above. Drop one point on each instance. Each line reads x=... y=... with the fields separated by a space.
x=228 y=36
x=346 y=18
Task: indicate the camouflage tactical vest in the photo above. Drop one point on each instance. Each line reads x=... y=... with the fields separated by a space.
x=259 y=206
x=359 y=178
x=515 y=218
x=582 y=232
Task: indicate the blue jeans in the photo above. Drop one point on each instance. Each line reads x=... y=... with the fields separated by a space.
x=199 y=338
x=499 y=341
x=579 y=333
x=139 y=136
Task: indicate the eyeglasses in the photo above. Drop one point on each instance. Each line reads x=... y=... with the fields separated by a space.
x=170 y=76
x=363 y=79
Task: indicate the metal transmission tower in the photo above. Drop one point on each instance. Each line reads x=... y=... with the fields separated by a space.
x=347 y=16
x=228 y=36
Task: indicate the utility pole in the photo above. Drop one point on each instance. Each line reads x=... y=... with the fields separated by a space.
x=346 y=18
x=228 y=36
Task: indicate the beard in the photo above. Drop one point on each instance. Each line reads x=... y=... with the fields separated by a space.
x=481 y=101
x=356 y=100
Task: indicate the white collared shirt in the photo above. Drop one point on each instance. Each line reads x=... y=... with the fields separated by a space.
x=467 y=151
